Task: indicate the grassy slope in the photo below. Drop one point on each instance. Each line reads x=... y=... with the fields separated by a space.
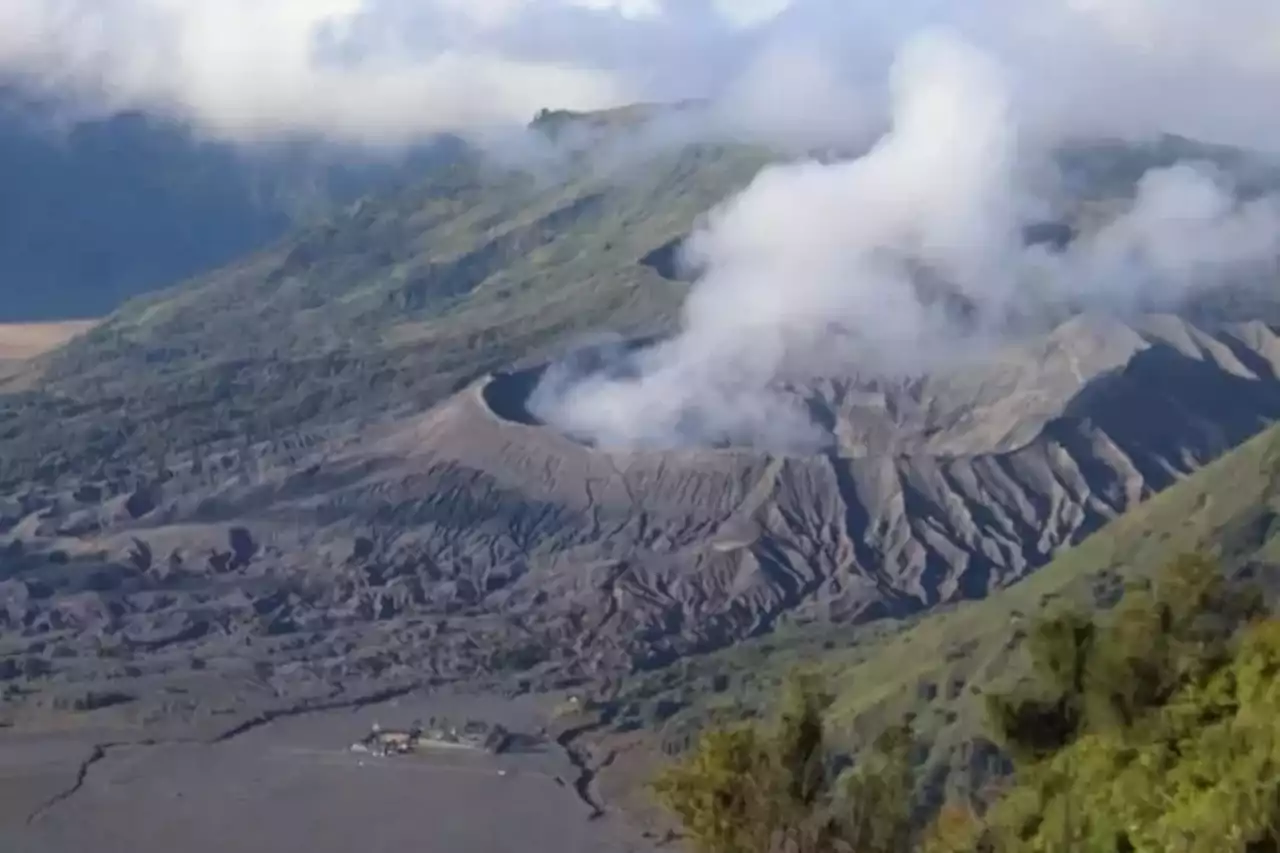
x=391 y=305
x=937 y=667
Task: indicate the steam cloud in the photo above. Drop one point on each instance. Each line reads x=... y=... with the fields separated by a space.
x=826 y=269
x=804 y=71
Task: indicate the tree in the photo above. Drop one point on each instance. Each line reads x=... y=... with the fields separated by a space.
x=1048 y=715
x=1162 y=725
x=1094 y=677
x=1154 y=728
x=877 y=795
x=719 y=793
x=759 y=789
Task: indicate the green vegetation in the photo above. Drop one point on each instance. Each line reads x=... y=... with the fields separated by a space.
x=935 y=670
x=749 y=788
x=390 y=306
x=1154 y=729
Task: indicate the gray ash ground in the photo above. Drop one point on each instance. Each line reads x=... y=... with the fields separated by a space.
x=183 y=599
x=470 y=540
x=293 y=784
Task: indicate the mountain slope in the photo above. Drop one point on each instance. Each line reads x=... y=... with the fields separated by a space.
x=935 y=669
x=317 y=459
x=102 y=210
x=389 y=305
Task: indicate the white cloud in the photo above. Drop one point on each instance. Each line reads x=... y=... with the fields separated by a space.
x=379 y=69
x=629 y=9
x=1240 y=33
x=750 y=13
x=261 y=68
x=814 y=263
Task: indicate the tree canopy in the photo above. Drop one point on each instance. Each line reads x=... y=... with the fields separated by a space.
x=1150 y=728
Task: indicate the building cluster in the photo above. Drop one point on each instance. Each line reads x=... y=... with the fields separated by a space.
x=473 y=735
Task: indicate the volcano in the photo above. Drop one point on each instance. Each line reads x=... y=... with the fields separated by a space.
x=332 y=454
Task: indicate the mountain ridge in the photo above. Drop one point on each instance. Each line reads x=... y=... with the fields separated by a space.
x=98 y=210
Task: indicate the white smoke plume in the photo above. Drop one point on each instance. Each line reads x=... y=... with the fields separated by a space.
x=825 y=269
x=1186 y=232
